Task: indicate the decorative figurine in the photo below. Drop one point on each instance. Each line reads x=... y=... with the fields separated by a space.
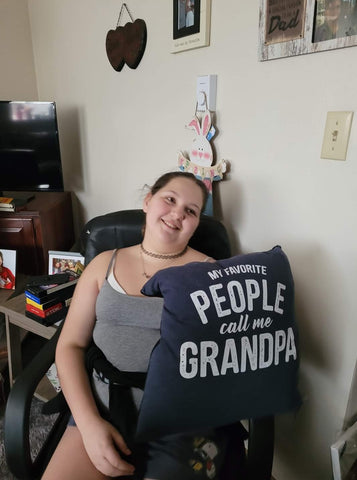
x=201 y=157
x=126 y=45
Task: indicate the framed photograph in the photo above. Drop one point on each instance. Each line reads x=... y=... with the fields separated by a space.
x=305 y=26
x=7 y=269
x=191 y=24
x=59 y=262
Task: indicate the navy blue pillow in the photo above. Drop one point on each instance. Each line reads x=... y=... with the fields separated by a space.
x=228 y=348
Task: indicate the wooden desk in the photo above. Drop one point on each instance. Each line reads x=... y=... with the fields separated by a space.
x=4 y=295
x=17 y=325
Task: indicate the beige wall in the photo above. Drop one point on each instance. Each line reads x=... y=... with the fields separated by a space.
x=18 y=79
x=120 y=130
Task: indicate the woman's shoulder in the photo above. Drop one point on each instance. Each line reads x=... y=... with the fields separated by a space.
x=99 y=263
x=104 y=258
x=197 y=256
x=97 y=268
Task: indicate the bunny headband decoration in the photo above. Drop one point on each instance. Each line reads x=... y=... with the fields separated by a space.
x=201 y=157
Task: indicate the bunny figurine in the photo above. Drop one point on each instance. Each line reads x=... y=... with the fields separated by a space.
x=201 y=157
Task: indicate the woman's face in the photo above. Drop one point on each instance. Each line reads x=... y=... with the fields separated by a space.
x=173 y=212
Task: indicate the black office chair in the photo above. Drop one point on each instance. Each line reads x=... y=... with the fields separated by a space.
x=117 y=229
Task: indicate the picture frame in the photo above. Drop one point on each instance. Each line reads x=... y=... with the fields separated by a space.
x=191 y=24
x=7 y=269
x=59 y=262
x=344 y=453
x=291 y=28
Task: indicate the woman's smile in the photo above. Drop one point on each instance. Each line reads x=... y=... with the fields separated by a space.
x=171 y=225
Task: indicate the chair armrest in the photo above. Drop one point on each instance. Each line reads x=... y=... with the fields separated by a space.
x=260 y=448
x=17 y=415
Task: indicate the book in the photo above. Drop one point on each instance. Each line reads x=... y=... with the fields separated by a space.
x=50 y=319
x=46 y=305
x=23 y=195
x=10 y=203
x=6 y=210
x=62 y=294
x=56 y=278
x=44 y=313
x=6 y=200
x=42 y=291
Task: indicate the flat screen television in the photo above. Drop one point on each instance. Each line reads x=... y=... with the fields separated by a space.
x=30 y=158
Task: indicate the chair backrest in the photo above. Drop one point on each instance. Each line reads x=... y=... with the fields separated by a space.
x=124 y=228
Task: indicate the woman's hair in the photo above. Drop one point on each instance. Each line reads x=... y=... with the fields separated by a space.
x=162 y=181
x=1 y=256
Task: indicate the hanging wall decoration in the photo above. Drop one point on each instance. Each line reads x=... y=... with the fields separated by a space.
x=126 y=45
x=201 y=157
x=305 y=26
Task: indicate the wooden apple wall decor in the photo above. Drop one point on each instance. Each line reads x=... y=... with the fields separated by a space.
x=126 y=45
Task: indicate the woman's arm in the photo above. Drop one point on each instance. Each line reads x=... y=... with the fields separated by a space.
x=74 y=339
x=99 y=437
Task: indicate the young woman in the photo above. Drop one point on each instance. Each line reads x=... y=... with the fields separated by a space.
x=108 y=307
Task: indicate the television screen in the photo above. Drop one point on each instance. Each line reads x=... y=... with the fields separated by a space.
x=30 y=158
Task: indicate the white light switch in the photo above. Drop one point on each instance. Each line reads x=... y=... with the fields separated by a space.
x=337 y=133
x=206 y=93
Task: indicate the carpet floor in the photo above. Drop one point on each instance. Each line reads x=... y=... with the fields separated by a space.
x=39 y=426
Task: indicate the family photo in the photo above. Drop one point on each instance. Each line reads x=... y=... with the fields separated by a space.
x=60 y=262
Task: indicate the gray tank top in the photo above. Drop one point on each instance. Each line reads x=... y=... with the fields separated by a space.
x=126 y=330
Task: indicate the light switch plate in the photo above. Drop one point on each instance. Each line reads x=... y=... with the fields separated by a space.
x=206 y=91
x=337 y=133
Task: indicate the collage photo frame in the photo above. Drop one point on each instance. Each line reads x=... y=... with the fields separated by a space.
x=297 y=27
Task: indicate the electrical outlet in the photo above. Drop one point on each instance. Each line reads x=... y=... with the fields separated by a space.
x=337 y=132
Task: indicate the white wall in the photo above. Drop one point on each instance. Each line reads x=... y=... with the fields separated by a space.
x=121 y=130
x=18 y=79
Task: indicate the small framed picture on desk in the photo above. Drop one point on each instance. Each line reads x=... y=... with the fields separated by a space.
x=59 y=262
x=7 y=269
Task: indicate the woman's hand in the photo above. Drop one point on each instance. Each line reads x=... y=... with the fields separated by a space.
x=102 y=443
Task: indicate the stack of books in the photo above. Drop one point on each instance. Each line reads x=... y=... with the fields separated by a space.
x=9 y=204
x=48 y=296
